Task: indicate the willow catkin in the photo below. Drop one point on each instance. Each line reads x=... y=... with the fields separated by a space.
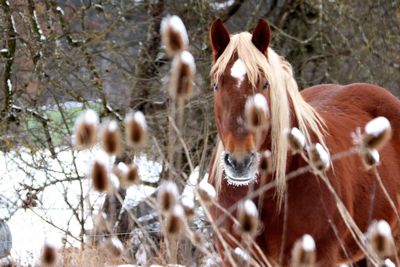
x=304 y=252
x=388 y=263
x=135 y=128
x=49 y=255
x=257 y=113
x=265 y=163
x=248 y=217
x=175 y=221
x=111 y=139
x=380 y=239
x=100 y=172
x=128 y=175
x=182 y=74
x=319 y=157
x=173 y=35
x=85 y=133
x=132 y=175
x=377 y=133
x=206 y=192
x=296 y=140
x=188 y=205
x=167 y=196
x=370 y=158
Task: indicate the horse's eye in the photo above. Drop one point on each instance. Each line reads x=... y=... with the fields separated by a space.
x=215 y=86
x=266 y=85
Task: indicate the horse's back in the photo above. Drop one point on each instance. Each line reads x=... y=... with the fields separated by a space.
x=374 y=100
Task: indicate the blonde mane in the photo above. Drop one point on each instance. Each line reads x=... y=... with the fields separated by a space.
x=283 y=91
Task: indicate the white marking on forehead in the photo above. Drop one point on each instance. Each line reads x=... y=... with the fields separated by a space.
x=238 y=70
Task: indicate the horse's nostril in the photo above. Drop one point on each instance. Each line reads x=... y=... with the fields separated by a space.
x=230 y=161
x=226 y=159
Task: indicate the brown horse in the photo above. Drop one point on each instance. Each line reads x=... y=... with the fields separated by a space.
x=243 y=65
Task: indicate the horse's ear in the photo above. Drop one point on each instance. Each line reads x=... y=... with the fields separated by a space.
x=262 y=36
x=219 y=38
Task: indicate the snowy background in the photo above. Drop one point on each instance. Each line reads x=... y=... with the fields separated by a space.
x=30 y=227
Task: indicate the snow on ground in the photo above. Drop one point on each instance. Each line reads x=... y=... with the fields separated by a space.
x=28 y=227
x=222 y=5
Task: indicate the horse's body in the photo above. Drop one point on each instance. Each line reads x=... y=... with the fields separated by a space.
x=311 y=208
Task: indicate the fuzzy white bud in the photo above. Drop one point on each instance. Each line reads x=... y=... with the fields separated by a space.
x=135 y=128
x=167 y=196
x=319 y=157
x=206 y=192
x=174 y=35
x=296 y=140
x=257 y=113
x=377 y=133
x=86 y=127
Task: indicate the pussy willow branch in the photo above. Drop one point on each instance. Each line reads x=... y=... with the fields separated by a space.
x=171 y=140
x=178 y=128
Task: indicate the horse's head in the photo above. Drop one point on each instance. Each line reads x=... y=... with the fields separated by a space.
x=234 y=78
x=244 y=66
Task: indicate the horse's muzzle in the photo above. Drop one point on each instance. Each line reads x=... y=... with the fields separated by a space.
x=240 y=170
